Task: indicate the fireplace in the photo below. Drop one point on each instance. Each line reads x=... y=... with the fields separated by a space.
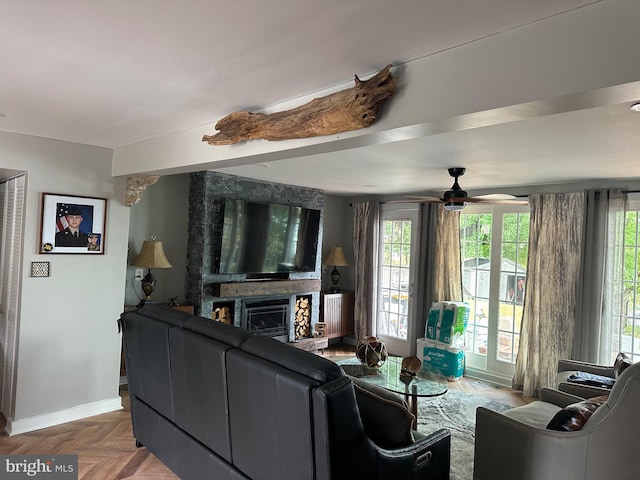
x=267 y=317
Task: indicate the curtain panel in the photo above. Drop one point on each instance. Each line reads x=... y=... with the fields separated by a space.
x=366 y=217
x=600 y=283
x=440 y=277
x=553 y=275
x=448 y=281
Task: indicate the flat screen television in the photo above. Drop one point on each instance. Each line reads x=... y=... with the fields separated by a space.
x=260 y=238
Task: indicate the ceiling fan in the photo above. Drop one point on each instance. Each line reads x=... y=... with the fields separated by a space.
x=456 y=199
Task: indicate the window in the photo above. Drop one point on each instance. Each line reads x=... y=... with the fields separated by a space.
x=394 y=278
x=627 y=338
x=494 y=243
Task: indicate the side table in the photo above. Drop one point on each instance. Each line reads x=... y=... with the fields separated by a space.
x=429 y=382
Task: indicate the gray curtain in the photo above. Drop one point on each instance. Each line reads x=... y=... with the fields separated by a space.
x=599 y=286
x=426 y=275
x=553 y=274
x=440 y=277
x=366 y=217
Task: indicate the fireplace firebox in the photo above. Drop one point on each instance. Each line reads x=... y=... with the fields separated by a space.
x=267 y=317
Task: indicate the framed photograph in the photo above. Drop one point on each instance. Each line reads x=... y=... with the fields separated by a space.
x=73 y=224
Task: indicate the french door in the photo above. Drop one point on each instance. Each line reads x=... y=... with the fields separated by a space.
x=395 y=314
x=494 y=242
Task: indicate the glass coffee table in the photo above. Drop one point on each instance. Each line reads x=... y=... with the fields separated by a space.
x=429 y=382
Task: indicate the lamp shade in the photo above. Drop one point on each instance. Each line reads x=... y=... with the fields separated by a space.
x=151 y=256
x=336 y=257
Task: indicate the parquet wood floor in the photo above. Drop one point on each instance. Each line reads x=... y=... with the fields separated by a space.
x=104 y=444
x=106 y=449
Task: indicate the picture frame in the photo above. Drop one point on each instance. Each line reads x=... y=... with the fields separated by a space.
x=72 y=224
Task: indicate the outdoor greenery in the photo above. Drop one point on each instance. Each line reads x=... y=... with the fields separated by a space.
x=397 y=242
x=631 y=275
x=629 y=331
x=475 y=229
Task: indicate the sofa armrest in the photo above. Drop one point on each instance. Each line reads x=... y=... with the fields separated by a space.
x=565 y=365
x=512 y=439
x=532 y=453
x=427 y=458
x=558 y=397
x=344 y=451
x=583 y=391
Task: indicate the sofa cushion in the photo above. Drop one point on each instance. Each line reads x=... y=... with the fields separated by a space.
x=622 y=361
x=574 y=416
x=535 y=414
x=268 y=402
x=386 y=419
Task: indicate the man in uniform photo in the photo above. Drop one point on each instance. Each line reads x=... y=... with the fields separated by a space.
x=72 y=236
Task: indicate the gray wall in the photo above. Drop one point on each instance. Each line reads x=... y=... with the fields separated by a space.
x=163 y=211
x=68 y=342
x=338 y=231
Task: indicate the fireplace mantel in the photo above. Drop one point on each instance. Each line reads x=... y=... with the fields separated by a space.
x=259 y=288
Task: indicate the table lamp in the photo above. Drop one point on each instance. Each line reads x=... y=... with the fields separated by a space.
x=337 y=259
x=151 y=256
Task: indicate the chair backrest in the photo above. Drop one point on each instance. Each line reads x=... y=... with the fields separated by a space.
x=624 y=396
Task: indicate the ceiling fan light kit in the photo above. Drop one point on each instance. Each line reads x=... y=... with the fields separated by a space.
x=452 y=198
x=454 y=207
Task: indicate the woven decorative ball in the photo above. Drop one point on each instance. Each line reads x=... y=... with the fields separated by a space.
x=371 y=351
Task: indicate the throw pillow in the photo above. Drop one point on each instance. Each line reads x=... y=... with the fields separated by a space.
x=622 y=362
x=386 y=419
x=573 y=417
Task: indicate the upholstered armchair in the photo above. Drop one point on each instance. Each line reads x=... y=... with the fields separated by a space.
x=588 y=380
x=517 y=445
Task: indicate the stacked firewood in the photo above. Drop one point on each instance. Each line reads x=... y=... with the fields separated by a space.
x=222 y=314
x=302 y=319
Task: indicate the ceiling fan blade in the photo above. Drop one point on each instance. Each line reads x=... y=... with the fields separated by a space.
x=489 y=201
x=419 y=198
x=496 y=196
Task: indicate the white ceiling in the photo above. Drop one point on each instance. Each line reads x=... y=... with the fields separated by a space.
x=116 y=73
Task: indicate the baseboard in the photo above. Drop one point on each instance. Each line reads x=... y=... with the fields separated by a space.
x=16 y=427
x=487 y=377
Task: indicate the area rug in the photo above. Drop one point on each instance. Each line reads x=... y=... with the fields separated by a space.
x=456 y=411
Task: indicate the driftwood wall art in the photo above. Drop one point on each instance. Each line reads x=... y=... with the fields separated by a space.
x=342 y=111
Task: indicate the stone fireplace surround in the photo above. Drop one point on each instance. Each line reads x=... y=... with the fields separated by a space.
x=208 y=290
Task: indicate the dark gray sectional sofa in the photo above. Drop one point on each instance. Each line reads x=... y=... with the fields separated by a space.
x=213 y=401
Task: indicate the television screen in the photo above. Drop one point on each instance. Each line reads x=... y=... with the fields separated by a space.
x=268 y=238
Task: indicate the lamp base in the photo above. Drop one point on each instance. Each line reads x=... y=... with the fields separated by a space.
x=148 y=284
x=335 y=278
